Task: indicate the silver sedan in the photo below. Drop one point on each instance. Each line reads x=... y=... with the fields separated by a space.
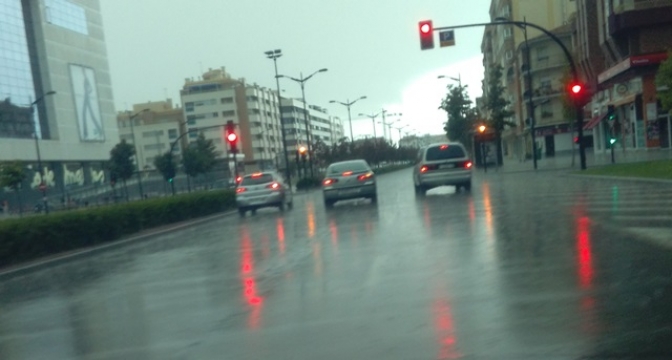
x=349 y=180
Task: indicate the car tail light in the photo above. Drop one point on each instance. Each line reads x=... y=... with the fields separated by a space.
x=468 y=165
x=328 y=182
x=423 y=169
x=347 y=173
x=239 y=179
x=426 y=168
x=274 y=186
x=366 y=176
x=443 y=147
x=241 y=190
x=257 y=175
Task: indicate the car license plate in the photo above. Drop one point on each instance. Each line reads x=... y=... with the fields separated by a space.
x=348 y=192
x=447 y=166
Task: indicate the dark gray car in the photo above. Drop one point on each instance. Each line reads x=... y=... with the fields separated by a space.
x=348 y=180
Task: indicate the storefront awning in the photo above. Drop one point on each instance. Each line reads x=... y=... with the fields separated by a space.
x=594 y=121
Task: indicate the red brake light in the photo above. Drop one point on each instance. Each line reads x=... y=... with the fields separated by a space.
x=328 y=182
x=239 y=179
x=256 y=175
x=365 y=176
x=347 y=173
x=468 y=165
x=443 y=147
x=274 y=186
x=240 y=190
x=424 y=169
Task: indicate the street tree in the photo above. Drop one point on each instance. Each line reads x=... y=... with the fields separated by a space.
x=461 y=116
x=498 y=108
x=12 y=176
x=121 y=162
x=664 y=81
x=165 y=164
x=198 y=158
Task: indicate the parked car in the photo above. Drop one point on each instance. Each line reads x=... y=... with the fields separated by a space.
x=442 y=164
x=349 y=180
x=260 y=190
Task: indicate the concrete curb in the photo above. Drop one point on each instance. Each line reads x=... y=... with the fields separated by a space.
x=623 y=178
x=39 y=264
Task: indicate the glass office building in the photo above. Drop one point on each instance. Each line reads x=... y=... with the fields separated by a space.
x=55 y=94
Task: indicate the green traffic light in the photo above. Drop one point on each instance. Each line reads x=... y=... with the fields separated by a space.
x=170 y=180
x=612 y=141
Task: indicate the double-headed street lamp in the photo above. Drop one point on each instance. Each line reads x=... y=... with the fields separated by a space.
x=135 y=147
x=274 y=55
x=458 y=78
x=347 y=104
x=43 y=185
x=389 y=125
x=399 y=130
x=302 y=81
x=373 y=121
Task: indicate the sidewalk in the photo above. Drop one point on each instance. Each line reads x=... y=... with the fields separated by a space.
x=564 y=162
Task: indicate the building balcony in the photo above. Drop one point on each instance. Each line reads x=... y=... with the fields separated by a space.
x=629 y=15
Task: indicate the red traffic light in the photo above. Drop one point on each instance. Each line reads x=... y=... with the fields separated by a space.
x=576 y=88
x=232 y=137
x=578 y=93
x=426 y=34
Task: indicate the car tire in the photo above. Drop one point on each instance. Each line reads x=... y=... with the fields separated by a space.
x=290 y=205
x=374 y=198
x=467 y=186
x=253 y=211
x=241 y=212
x=421 y=190
x=281 y=206
x=328 y=204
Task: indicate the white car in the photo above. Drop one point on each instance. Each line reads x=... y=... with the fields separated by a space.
x=260 y=190
x=442 y=164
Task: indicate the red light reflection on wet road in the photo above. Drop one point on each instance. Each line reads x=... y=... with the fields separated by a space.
x=280 y=228
x=584 y=251
x=249 y=281
x=333 y=229
x=445 y=330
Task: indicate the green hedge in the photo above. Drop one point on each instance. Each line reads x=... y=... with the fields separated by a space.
x=36 y=236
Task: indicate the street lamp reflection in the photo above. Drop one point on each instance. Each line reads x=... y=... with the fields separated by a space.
x=488 y=210
x=310 y=211
x=333 y=229
x=280 y=228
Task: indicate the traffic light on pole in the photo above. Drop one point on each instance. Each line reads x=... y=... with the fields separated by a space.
x=231 y=136
x=303 y=152
x=426 y=34
x=578 y=93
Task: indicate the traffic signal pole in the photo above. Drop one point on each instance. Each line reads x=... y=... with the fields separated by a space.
x=575 y=74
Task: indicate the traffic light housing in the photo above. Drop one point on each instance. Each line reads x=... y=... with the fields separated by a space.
x=611 y=113
x=578 y=93
x=231 y=136
x=426 y=30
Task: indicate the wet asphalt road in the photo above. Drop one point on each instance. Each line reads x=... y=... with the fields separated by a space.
x=527 y=266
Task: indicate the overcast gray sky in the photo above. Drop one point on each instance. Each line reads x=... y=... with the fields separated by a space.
x=371 y=47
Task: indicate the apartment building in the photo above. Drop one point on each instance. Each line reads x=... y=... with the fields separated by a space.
x=321 y=126
x=620 y=46
x=156 y=126
x=501 y=46
x=216 y=98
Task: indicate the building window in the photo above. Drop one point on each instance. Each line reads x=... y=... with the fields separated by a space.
x=214 y=114
x=148 y=134
x=509 y=55
x=546 y=111
x=67 y=15
x=172 y=133
x=229 y=113
x=155 y=146
x=252 y=98
x=227 y=100
x=254 y=111
x=542 y=53
x=193 y=134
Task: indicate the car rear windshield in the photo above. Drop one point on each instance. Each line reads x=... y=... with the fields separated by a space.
x=444 y=152
x=257 y=180
x=351 y=166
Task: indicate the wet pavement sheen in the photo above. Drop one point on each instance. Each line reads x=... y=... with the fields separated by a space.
x=527 y=266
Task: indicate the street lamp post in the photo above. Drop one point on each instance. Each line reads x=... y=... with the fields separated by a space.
x=302 y=81
x=399 y=130
x=274 y=55
x=458 y=78
x=43 y=186
x=347 y=104
x=135 y=146
x=373 y=121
